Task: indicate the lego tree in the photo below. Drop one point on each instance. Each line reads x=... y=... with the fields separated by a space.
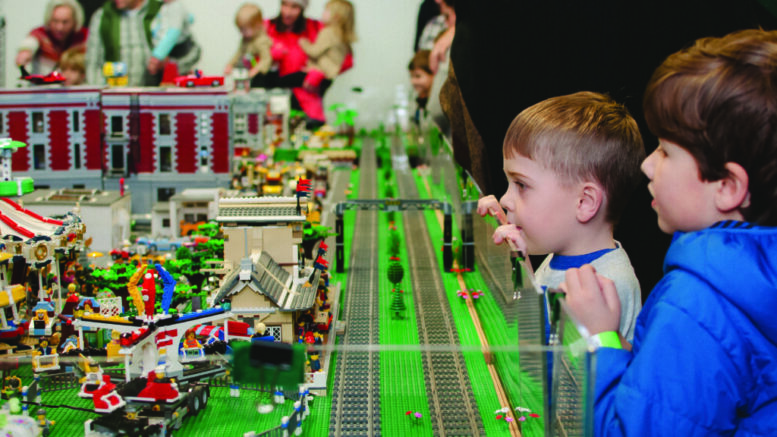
x=345 y=119
x=398 y=304
x=394 y=244
x=395 y=272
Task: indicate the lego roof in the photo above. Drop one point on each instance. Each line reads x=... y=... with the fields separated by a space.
x=69 y=196
x=23 y=223
x=260 y=210
x=190 y=194
x=265 y=276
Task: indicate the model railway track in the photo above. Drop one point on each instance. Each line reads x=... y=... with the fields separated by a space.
x=526 y=312
x=452 y=405
x=356 y=387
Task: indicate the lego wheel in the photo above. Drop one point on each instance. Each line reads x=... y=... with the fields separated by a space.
x=190 y=83
x=204 y=396
x=194 y=402
x=216 y=82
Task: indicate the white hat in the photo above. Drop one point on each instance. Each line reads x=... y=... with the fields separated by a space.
x=301 y=3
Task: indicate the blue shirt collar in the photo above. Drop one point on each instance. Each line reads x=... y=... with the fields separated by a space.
x=563 y=262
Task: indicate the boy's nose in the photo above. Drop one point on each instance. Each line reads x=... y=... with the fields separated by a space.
x=647 y=165
x=503 y=201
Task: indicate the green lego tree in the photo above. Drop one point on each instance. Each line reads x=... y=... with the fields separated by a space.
x=395 y=272
x=398 y=304
x=394 y=244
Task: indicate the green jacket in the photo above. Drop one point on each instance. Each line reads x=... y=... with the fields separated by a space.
x=110 y=31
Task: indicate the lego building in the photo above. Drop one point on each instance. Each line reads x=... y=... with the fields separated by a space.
x=165 y=140
x=106 y=214
x=61 y=127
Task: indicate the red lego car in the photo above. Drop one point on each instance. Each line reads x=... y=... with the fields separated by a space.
x=197 y=79
x=41 y=79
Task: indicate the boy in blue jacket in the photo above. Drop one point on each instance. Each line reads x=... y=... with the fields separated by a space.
x=704 y=356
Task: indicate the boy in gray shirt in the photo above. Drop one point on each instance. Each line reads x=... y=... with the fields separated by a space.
x=571 y=163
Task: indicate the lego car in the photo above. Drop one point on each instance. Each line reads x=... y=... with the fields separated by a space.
x=197 y=79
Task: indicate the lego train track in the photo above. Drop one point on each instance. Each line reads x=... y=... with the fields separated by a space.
x=452 y=405
x=356 y=388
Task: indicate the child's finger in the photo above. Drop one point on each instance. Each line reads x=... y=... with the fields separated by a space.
x=500 y=216
x=609 y=294
x=485 y=204
x=590 y=283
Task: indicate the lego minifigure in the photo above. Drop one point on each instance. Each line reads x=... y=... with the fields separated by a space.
x=12 y=389
x=44 y=423
x=314 y=363
x=191 y=340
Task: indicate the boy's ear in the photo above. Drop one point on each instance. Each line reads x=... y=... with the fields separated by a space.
x=589 y=202
x=733 y=191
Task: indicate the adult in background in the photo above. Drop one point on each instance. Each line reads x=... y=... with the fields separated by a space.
x=63 y=29
x=286 y=30
x=120 y=31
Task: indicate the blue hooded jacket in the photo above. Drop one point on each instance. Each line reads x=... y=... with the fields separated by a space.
x=704 y=358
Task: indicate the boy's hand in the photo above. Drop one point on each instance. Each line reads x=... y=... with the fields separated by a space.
x=490 y=206
x=253 y=71
x=592 y=299
x=512 y=235
x=154 y=65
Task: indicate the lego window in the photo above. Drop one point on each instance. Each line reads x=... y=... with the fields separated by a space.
x=204 y=156
x=37 y=122
x=76 y=121
x=202 y=217
x=117 y=126
x=2 y=125
x=117 y=157
x=188 y=218
x=164 y=194
x=166 y=222
x=240 y=123
x=164 y=124
x=275 y=331
x=38 y=157
x=76 y=156
x=165 y=159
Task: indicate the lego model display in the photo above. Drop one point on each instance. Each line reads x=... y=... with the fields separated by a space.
x=235 y=306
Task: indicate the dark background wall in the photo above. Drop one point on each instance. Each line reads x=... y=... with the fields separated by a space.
x=510 y=54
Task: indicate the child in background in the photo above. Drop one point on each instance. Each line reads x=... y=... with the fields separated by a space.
x=253 y=53
x=71 y=64
x=171 y=37
x=421 y=77
x=571 y=163
x=333 y=43
x=704 y=357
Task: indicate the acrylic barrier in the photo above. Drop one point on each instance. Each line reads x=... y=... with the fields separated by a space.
x=374 y=390
x=563 y=377
x=459 y=352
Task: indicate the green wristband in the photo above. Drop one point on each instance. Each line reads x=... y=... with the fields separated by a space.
x=608 y=339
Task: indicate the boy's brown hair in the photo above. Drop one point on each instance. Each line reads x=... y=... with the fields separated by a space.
x=582 y=136
x=420 y=61
x=248 y=13
x=72 y=59
x=342 y=16
x=718 y=100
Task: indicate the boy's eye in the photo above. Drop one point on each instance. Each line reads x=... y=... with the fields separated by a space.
x=519 y=184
